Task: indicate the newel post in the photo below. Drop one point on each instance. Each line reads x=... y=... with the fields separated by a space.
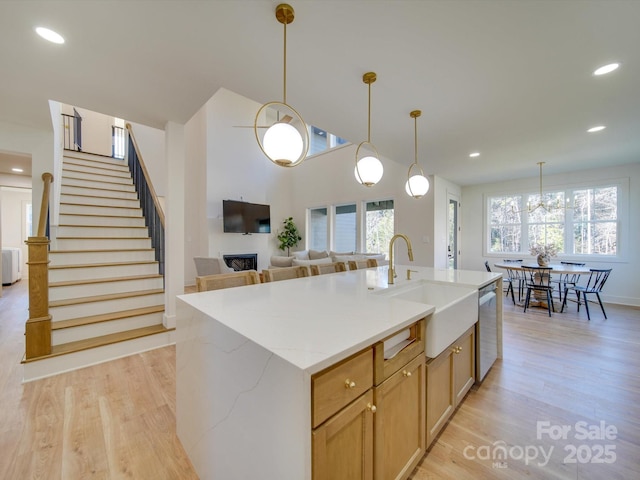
x=38 y=326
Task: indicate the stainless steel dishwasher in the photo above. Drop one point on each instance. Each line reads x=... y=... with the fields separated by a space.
x=487 y=330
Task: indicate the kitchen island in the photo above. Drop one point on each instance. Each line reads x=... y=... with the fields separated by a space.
x=246 y=359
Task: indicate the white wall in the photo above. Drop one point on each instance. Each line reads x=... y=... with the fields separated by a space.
x=235 y=169
x=623 y=285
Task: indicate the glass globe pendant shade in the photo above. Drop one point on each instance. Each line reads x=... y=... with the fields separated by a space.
x=283 y=143
x=417 y=186
x=368 y=171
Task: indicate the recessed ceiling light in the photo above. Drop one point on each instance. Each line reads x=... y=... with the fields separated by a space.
x=606 y=69
x=474 y=154
x=596 y=129
x=17 y=170
x=49 y=35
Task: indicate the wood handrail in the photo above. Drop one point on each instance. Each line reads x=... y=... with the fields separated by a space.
x=47 y=178
x=156 y=202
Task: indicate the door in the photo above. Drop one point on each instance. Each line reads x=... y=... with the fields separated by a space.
x=454 y=229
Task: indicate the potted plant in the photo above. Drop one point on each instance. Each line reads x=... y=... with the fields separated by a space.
x=543 y=253
x=289 y=236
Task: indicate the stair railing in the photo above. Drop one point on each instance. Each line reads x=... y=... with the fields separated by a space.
x=72 y=125
x=38 y=326
x=151 y=208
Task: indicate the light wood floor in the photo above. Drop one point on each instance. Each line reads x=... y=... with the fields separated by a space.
x=117 y=420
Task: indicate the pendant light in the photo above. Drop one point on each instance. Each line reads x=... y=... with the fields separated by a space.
x=417 y=185
x=286 y=141
x=368 y=169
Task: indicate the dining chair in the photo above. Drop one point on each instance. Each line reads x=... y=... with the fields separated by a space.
x=537 y=279
x=367 y=263
x=227 y=280
x=514 y=277
x=286 y=273
x=323 y=268
x=486 y=265
x=565 y=279
x=597 y=279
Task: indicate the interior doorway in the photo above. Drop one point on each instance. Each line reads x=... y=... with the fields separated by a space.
x=453 y=250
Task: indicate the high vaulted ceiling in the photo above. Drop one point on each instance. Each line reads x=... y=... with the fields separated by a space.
x=511 y=79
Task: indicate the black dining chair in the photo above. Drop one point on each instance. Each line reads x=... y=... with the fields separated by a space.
x=597 y=279
x=565 y=279
x=537 y=279
x=506 y=281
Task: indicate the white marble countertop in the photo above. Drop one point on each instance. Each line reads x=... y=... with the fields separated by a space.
x=315 y=322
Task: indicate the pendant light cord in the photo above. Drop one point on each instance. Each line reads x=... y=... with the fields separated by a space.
x=284 y=94
x=369 y=117
x=415 y=137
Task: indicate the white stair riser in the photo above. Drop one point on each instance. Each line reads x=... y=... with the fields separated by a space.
x=119 y=166
x=84 y=358
x=121 y=191
x=109 y=271
x=100 y=201
x=115 y=256
x=93 y=158
x=78 y=231
x=100 y=243
x=97 y=170
x=82 y=332
x=67 y=208
x=68 y=292
x=96 y=177
x=67 y=312
x=79 y=182
x=101 y=220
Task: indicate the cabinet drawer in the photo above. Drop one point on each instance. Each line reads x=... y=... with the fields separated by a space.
x=337 y=386
x=412 y=344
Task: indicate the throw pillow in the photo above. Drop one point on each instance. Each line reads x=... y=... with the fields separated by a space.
x=301 y=255
x=278 y=261
x=317 y=254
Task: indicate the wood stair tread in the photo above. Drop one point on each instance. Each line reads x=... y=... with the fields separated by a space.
x=103 y=250
x=101 y=341
x=105 y=317
x=102 y=226
x=103 y=280
x=109 y=264
x=100 y=238
x=100 y=298
x=99 y=215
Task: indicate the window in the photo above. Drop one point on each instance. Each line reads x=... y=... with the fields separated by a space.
x=318 y=234
x=577 y=221
x=345 y=231
x=321 y=141
x=379 y=226
x=594 y=225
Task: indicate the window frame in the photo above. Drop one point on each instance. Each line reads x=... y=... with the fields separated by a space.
x=622 y=221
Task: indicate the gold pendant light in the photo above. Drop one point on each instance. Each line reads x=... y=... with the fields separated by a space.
x=286 y=141
x=417 y=185
x=369 y=168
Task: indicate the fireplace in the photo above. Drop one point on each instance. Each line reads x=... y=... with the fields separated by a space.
x=242 y=261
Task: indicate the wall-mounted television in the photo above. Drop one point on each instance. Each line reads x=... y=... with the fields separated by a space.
x=245 y=217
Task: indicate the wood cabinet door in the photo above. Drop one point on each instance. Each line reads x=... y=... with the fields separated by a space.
x=464 y=365
x=440 y=399
x=399 y=441
x=343 y=445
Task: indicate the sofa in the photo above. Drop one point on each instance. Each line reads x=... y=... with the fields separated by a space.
x=318 y=257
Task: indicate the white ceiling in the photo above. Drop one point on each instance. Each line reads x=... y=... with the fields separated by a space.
x=511 y=79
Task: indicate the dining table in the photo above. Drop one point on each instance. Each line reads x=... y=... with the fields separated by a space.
x=556 y=268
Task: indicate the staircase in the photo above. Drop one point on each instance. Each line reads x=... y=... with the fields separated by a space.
x=106 y=295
